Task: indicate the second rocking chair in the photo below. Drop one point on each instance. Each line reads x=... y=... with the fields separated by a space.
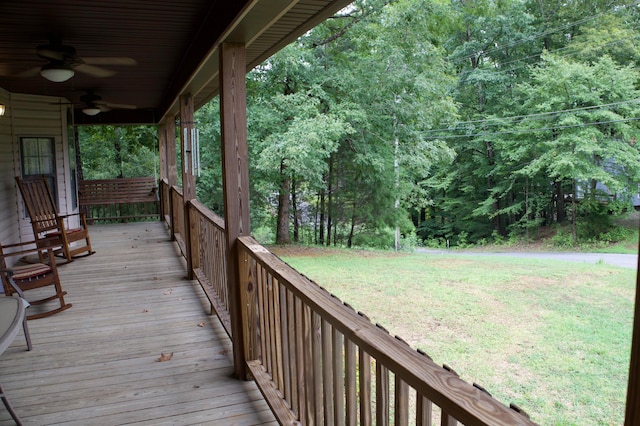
x=46 y=221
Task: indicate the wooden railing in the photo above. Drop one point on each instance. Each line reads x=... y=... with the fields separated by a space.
x=177 y=217
x=317 y=361
x=119 y=200
x=165 y=201
x=314 y=358
x=211 y=270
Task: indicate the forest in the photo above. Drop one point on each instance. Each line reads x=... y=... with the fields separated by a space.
x=413 y=122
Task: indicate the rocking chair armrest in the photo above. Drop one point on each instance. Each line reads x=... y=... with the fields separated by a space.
x=15 y=287
x=50 y=243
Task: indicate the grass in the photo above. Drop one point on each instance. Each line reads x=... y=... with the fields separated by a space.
x=552 y=337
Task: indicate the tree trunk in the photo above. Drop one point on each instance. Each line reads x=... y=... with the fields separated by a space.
x=294 y=206
x=353 y=226
x=330 y=201
x=118 y=154
x=560 y=213
x=322 y=205
x=282 y=232
x=574 y=226
x=76 y=141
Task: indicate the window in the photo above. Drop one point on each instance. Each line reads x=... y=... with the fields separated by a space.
x=39 y=159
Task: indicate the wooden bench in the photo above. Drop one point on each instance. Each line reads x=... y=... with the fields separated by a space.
x=119 y=200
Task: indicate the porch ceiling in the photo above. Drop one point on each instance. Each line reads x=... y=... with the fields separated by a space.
x=173 y=43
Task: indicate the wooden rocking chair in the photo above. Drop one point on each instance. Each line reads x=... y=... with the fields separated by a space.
x=31 y=276
x=46 y=222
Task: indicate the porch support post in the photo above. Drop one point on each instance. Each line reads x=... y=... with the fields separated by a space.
x=632 y=414
x=162 y=148
x=172 y=166
x=188 y=177
x=235 y=182
x=164 y=171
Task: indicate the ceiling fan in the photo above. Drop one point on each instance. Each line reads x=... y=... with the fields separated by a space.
x=92 y=104
x=62 y=62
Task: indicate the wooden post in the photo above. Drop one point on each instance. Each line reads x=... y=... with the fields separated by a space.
x=172 y=166
x=188 y=177
x=632 y=414
x=162 y=148
x=235 y=175
x=164 y=171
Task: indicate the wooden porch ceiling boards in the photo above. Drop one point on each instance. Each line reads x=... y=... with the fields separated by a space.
x=174 y=44
x=95 y=364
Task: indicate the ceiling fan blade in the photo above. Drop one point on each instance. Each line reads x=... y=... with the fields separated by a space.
x=109 y=61
x=94 y=71
x=31 y=72
x=120 y=106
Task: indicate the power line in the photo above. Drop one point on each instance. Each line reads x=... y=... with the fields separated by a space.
x=500 y=120
x=533 y=37
x=541 y=129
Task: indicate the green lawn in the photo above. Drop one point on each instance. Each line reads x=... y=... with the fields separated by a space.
x=552 y=337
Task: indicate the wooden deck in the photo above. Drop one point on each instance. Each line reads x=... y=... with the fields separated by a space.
x=95 y=364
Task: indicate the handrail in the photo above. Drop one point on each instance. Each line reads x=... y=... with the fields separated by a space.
x=165 y=206
x=315 y=359
x=211 y=271
x=177 y=217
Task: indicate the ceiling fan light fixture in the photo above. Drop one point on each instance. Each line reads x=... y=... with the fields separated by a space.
x=91 y=110
x=56 y=72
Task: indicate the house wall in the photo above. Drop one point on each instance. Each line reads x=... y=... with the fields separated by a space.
x=9 y=231
x=30 y=116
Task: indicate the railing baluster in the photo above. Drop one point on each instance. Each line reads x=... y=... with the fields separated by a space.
x=291 y=325
x=365 y=388
x=382 y=395
x=424 y=411
x=401 y=399
x=318 y=366
x=350 y=383
x=308 y=365
x=284 y=344
x=327 y=373
x=338 y=377
x=300 y=360
x=264 y=330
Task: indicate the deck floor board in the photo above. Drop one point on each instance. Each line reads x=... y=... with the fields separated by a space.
x=96 y=363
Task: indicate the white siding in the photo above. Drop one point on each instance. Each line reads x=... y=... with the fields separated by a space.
x=8 y=200
x=29 y=116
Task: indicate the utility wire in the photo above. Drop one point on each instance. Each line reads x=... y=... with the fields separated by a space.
x=500 y=120
x=465 y=57
x=541 y=129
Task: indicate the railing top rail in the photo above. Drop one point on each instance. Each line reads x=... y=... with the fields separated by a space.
x=177 y=189
x=208 y=214
x=465 y=402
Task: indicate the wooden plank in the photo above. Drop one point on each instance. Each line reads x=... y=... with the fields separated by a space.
x=96 y=362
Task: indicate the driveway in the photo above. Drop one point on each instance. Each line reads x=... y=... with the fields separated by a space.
x=622 y=260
